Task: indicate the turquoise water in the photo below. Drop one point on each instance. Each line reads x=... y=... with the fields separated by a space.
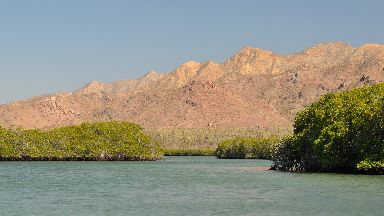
x=182 y=186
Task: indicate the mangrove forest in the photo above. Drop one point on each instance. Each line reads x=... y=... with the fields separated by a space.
x=89 y=141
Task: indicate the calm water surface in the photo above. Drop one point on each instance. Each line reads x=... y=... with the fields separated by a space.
x=182 y=186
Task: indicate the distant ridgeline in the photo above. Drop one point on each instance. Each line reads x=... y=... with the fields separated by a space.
x=88 y=141
x=342 y=132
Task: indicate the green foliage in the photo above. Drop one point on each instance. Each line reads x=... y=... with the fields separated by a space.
x=371 y=167
x=246 y=147
x=189 y=152
x=89 y=141
x=342 y=132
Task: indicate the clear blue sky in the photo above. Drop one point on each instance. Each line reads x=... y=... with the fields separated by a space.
x=49 y=46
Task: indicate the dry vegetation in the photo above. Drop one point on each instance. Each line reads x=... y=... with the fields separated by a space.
x=201 y=138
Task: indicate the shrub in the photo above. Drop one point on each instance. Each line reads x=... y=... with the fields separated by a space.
x=246 y=148
x=342 y=132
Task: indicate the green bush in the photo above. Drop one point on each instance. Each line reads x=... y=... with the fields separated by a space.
x=246 y=148
x=342 y=132
x=89 y=141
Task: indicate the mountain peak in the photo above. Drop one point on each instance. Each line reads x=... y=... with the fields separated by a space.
x=249 y=49
x=149 y=77
x=190 y=64
x=249 y=54
x=250 y=60
x=151 y=74
x=371 y=46
x=92 y=87
x=327 y=47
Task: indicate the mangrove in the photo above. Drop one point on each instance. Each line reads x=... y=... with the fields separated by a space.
x=341 y=132
x=88 y=141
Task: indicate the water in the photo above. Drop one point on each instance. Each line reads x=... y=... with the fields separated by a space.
x=182 y=186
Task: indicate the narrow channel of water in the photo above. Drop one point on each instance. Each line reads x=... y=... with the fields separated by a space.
x=182 y=186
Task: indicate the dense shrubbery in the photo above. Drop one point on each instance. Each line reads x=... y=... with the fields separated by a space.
x=88 y=141
x=246 y=148
x=189 y=152
x=342 y=132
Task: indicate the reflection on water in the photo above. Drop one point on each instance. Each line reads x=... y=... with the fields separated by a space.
x=182 y=186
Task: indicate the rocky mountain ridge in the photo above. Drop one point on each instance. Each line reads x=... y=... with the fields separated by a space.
x=254 y=88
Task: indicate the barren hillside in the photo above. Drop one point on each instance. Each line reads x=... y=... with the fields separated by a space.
x=254 y=88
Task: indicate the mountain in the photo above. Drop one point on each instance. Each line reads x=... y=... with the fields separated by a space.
x=254 y=88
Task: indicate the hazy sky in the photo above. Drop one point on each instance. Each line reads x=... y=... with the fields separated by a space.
x=54 y=46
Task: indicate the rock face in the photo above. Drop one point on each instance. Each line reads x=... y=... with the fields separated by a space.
x=254 y=89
